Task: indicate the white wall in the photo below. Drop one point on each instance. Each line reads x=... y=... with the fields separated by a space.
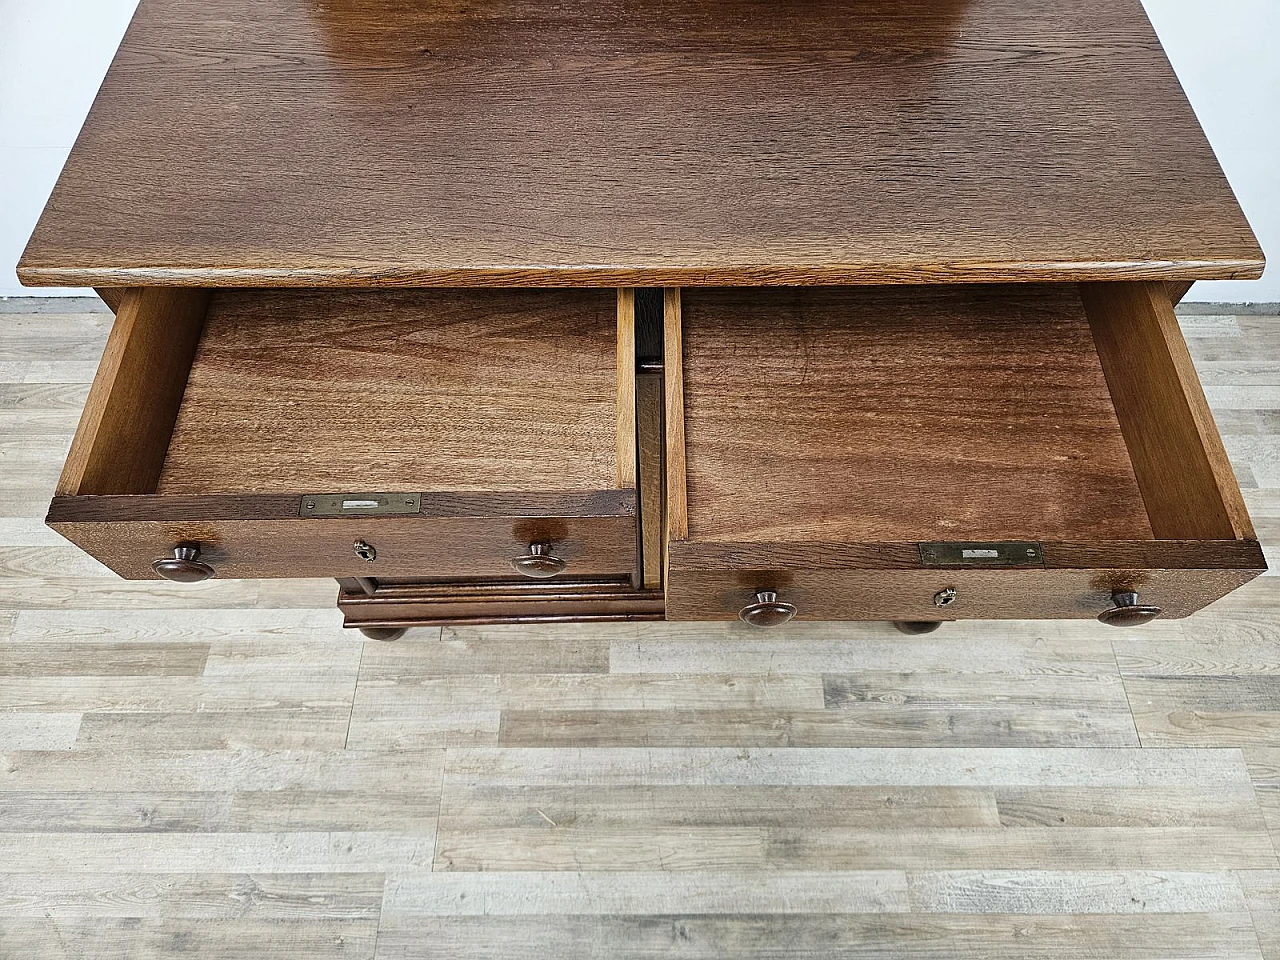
x=1227 y=55
x=53 y=54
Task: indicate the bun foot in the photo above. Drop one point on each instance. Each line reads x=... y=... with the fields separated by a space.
x=914 y=627
x=383 y=633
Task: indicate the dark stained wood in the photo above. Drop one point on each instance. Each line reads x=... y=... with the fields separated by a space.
x=1022 y=594
x=864 y=415
x=124 y=431
x=634 y=142
x=1178 y=458
x=429 y=604
x=480 y=391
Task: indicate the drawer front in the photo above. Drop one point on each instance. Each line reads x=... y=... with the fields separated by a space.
x=1039 y=594
x=250 y=539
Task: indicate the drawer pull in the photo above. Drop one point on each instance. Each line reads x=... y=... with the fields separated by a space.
x=1126 y=611
x=185 y=566
x=538 y=563
x=767 y=611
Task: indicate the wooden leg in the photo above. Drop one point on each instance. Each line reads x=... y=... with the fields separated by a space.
x=383 y=633
x=914 y=627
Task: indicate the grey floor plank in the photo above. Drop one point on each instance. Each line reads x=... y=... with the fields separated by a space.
x=411 y=812
x=59 y=658
x=38 y=731
x=1074 y=892
x=278 y=851
x=883 y=766
x=193 y=896
x=444 y=894
x=407 y=711
x=826 y=936
x=288 y=726
x=469 y=651
x=130 y=938
x=1262 y=890
x=1138 y=807
x=140 y=624
x=867 y=725
x=1264 y=768
x=374 y=772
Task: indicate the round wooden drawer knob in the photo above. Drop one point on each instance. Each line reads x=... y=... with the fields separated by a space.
x=1126 y=611
x=538 y=563
x=767 y=611
x=185 y=566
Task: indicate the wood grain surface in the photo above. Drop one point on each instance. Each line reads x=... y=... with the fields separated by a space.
x=1177 y=453
x=124 y=432
x=217 y=770
x=866 y=415
x=334 y=391
x=638 y=142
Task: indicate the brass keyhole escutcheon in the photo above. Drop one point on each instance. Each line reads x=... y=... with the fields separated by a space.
x=365 y=551
x=945 y=597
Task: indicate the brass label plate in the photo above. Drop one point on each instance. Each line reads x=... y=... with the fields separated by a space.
x=1008 y=553
x=359 y=504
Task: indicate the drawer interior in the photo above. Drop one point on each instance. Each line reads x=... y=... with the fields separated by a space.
x=455 y=434
x=872 y=415
x=311 y=391
x=856 y=428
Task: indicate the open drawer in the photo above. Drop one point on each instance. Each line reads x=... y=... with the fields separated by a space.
x=937 y=453
x=465 y=434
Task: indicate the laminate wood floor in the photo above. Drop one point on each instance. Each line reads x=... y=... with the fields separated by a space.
x=219 y=771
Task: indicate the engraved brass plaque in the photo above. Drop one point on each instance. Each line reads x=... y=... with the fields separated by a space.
x=1010 y=553
x=358 y=504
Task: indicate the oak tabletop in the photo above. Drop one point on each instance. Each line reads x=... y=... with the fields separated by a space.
x=646 y=142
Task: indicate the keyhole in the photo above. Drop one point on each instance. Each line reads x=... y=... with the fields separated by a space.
x=365 y=551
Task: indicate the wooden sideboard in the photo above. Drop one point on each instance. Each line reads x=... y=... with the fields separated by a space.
x=632 y=309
